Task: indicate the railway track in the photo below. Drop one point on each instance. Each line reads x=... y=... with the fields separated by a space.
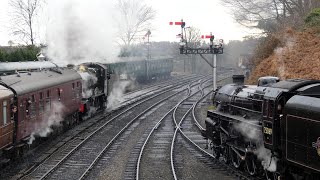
x=150 y=90
x=158 y=85
x=136 y=138
x=157 y=146
x=76 y=153
x=45 y=149
x=190 y=137
x=189 y=142
x=153 y=161
x=81 y=157
x=181 y=164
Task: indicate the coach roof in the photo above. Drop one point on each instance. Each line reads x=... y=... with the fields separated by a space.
x=5 y=92
x=29 y=82
x=13 y=66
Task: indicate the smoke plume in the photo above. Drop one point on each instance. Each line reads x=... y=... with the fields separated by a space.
x=81 y=31
x=279 y=52
x=53 y=119
x=264 y=155
x=87 y=84
x=116 y=95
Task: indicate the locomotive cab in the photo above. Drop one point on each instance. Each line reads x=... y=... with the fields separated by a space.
x=273 y=102
x=94 y=90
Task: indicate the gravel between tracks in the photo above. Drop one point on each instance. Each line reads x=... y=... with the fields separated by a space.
x=118 y=162
x=196 y=167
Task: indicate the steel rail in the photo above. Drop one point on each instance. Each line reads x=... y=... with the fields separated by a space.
x=177 y=126
x=130 y=102
x=153 y=129
x=200 y=127
x=97 y=130
x=122 y=130
x=159 y=84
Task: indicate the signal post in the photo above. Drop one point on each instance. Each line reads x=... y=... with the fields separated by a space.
x=213 y=49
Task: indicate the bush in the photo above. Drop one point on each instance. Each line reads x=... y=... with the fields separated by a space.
x=16 y=54
x=313 y=18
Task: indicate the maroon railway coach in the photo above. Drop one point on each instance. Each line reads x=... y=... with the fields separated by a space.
x=32 y=101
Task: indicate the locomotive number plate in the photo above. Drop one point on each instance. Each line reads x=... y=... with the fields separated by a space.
x=267 y=131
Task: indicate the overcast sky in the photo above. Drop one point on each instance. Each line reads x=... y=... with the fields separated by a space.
x=207 y=15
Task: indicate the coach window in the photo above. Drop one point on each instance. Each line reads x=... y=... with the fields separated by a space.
x=33 y=109
x=22 y=112
x=59 y=94
x=28 y=103
x=79 y=92
x=41 y=105
x=73 y=92
x=4 y=112
x=48 y=102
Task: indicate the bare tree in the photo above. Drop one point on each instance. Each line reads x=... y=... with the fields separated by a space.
x=134 y=19
x=193 y=37
x=269 y=15
x=22 y=18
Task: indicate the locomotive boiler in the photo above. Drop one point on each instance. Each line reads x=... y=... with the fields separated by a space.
x=270 y=130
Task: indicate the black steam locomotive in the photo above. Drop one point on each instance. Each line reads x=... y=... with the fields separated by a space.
x=271 y=130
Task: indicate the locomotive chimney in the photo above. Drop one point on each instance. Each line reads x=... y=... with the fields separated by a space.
x=238 y=79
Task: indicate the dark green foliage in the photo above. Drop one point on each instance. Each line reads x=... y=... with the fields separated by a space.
x=313 y=18
x=16 y=54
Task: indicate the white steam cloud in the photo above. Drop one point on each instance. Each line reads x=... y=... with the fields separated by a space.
x=88 y=82
x=116 y=95
x=267 y=160
x=53 y=119
x=289 y=44
x=81 y=31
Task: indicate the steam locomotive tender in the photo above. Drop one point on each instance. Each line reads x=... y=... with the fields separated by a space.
x=270 y=131
x=33 y=101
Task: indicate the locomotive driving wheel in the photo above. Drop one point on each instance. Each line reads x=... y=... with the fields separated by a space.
x=251 y=165
x=235 y=158
x=225 y=154
x=215 y=150
x=272 y=175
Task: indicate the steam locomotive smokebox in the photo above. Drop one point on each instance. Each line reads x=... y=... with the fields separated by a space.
x=238 y=79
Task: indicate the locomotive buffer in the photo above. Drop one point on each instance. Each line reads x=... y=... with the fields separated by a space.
x=213 y=49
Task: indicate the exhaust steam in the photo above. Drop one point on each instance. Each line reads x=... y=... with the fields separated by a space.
x=53 y=119
x=264 y=155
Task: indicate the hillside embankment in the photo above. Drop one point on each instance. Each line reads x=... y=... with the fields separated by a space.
x=297 y=55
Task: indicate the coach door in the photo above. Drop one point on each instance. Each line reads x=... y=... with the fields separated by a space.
x=6 y=125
